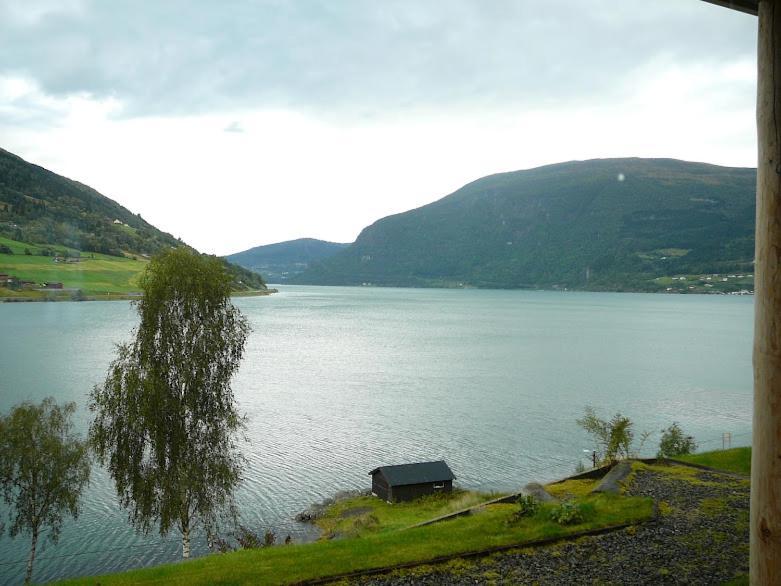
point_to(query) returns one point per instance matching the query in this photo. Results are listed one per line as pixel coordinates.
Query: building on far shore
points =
(405, 482)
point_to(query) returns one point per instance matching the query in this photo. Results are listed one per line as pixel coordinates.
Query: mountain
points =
(55, 215)
(283, 260)
(605, 224)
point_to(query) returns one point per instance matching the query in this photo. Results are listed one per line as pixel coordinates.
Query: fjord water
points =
(338, 380)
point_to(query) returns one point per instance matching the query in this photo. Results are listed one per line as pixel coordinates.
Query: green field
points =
(96, 274)
(381, 537)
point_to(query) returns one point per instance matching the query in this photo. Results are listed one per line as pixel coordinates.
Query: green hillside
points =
(37, 205)
(607, 224)
(53, 229)
(284, 260)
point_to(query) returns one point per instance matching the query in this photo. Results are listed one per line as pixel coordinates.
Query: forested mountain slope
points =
(613, 224)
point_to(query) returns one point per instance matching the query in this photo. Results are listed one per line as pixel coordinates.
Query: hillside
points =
(56, 229)
(283, 260)
(606, 224)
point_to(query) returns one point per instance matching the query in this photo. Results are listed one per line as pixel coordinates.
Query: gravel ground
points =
(700, 537)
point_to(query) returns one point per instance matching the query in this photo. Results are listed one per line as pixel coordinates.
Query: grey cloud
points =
(359, 57)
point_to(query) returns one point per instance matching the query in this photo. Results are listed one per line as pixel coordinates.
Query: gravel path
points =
(700, 537)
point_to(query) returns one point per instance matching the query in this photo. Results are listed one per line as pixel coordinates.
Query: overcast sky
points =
(237, 123)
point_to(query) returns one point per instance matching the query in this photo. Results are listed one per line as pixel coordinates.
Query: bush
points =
(527, 505)
(5, 249)
(247, 538)
(567, 513)
(614, 438)
(675, 443)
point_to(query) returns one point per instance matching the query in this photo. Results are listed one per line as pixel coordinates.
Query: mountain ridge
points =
(281, 260)
(601, 224)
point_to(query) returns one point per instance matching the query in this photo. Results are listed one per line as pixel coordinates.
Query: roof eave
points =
(747, 6)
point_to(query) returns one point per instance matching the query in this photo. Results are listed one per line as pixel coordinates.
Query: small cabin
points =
(405, 482)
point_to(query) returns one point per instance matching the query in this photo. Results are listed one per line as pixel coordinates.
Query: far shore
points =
(58, 296)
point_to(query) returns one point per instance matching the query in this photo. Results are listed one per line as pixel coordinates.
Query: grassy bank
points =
(736, 460)
(380, 537)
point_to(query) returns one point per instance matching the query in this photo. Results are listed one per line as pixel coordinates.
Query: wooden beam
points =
(765, 557)
(747, 6)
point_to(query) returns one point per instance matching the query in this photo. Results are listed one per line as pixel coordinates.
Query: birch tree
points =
(44, 467)
(166, 422)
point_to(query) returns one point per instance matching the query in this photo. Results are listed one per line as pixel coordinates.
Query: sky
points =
(238, 123)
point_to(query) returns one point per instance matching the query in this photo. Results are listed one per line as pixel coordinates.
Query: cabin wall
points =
(380, 487)
(410, 492)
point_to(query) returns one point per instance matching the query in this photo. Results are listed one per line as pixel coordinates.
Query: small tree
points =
(613, 438)
(43, 469)
(675, 443)
(166, 421)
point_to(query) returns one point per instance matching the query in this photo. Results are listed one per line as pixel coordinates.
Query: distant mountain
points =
(606, 224)
(283, 260)
(47, 210)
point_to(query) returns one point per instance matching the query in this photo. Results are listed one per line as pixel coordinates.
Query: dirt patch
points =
(355, 512)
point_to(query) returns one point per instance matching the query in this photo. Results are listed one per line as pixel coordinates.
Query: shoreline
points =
(68, 297)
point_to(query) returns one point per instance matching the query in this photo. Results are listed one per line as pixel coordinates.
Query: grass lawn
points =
(386, 540)
(96, 273)
(737, 460)
(362, 516)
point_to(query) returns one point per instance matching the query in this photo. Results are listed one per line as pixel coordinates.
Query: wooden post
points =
(765, 556)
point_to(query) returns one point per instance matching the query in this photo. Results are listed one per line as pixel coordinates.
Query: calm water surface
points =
(339, 380)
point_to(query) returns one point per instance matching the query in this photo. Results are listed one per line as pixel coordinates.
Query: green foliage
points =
(613, 438)
(528, 506)
(40, 206)
(675, 443)
(248, 539)
(43, 469)
(567, 513)
(166, 422)
(567, 225)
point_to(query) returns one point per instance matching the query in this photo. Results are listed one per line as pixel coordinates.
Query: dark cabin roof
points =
(748, 6)
(418, 473)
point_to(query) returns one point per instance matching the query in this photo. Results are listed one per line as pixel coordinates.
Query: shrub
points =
(567, 513)
(527, 506)
(613, 438)
(675, 443)
(248, 539)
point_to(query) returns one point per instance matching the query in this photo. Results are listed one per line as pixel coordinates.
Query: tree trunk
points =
(28, 577)
(185, 541)
(765, 558)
